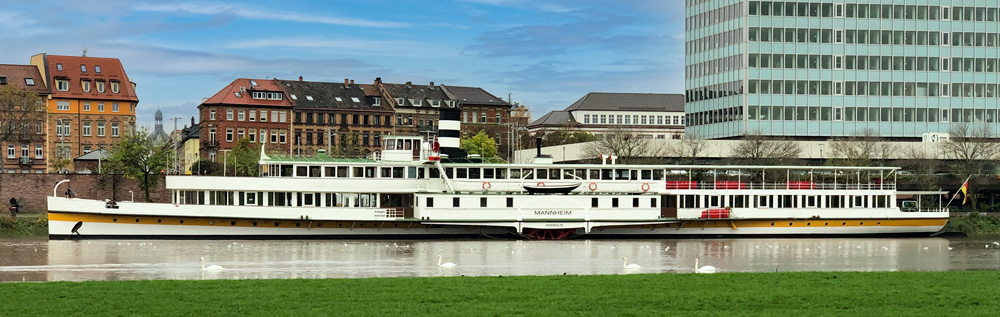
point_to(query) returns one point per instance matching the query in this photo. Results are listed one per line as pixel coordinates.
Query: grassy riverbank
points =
(974, 224)
(25, 225)
(776, 294)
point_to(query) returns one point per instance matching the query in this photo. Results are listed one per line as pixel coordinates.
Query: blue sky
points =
(546, 54)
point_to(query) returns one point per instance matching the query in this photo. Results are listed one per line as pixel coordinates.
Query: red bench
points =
(682, 185)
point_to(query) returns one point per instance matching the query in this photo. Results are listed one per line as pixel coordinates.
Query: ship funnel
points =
(450, 132)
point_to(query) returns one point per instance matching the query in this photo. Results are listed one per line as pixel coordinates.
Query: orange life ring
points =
(487, 185)
(593, 186)
(540, 184)
(645, 187)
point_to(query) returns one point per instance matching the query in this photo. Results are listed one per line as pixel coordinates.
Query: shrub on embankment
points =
(24, 225)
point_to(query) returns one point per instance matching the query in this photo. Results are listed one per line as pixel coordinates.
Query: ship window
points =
(621, 174)
(251, 199)
(541, 173)
(554, 174)
(385, 172)
(454, 202)
(635, 202)
(657, 175)
(329, 171)
(397, 172)
(593, 202)
(647, 174)
(474, 173)
(501, 173)
(606, 174)
(488, 173)
(449, 172)
(430, 201)
(314, 171)
(370, 172)
(614, 202)
(301, 171)
(435, 173)
(510, 202)
(462, 172)
(482, 202)
(652, 202)
(810, 201)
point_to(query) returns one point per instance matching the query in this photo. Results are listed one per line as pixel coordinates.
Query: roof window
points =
(338, 98)
(355, 99)
(97, 69)
(3, 80)
(83, 68)
(253, 82)
(294, 97)
(310, 98)
(29, 81)
(59, 67)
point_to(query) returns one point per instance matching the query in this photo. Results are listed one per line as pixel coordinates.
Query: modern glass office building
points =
(830, 68)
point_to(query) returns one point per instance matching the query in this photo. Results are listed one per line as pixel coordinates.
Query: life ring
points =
(645, 187)
(487, 185)
(540, 184)
(592, 186)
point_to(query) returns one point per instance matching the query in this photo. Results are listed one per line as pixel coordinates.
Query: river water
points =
(42, 260)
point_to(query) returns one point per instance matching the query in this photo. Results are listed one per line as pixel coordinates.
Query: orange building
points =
(91, 104)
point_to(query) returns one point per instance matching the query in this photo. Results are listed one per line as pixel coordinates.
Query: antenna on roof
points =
(85, 52)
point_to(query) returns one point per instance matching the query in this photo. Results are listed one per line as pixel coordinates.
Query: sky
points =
(543, 54)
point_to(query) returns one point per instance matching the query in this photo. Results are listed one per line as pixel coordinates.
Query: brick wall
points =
(33, 188)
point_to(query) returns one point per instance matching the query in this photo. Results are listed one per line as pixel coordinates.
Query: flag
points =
(965, 192)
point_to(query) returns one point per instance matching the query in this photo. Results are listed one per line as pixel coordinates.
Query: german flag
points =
(965, 192)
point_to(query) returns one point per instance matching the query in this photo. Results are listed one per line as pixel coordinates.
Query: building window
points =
(258, 95)
(100, 107)
(252, 135)
(482, 118)
(115, 87)
(274, 136)
(10, 151)
(62, 85)
(253, 115)
(376, 101)
(283, 116)
(38, 151)
(86, 106)
(86, 128)
(229, 135)
(242, 115)
(100, 128)
(240, 133)
(282, 136)
(114, 107)
(263, 135)
(59, 66)
(211, 114)
(86, 85)
(62, 105)
(100, 86)
(97, 69)
(25, 150)
(29, 81)
(211, 136)
(83, 68)
(229, 114)
(586, 118)
(114, 129)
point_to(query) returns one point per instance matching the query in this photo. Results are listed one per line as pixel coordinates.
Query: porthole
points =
(845, 223)
(878, 223)
(114, 219)
(862, 223)
(319, 224)
(395, 225)
(159, 220)
(136, 219)
(298, 224)
(232, 223)
(275, 223)
(826, 224)
(254, 223)
(772, 224)
(182, 221)
(340, 224)
(809, 224)
(789, 224)
(211, 222)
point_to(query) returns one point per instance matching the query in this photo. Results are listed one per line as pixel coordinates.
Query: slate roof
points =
(111, 70)
(474, 96)
(228, 95)
(94, 155)
(556, 118)
(324, 95)
(15, 76)
(411, 91)
(629, 102)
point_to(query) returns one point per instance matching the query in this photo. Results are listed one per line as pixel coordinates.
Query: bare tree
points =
(621, 142)
(971, 147)
(756, 149)
(688, 149)
(865, 148)
(920, 159)
(21, 116)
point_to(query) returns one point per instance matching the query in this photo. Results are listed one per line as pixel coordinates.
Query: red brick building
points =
(344, 118)
(256, 109)
(24, 149)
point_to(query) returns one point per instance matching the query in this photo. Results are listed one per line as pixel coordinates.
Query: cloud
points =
(350, 46)
(262, 14)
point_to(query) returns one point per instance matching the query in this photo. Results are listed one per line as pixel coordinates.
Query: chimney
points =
(409, 84)
(431, 85)
(378, 81)
(346, 83)
(300, 78)
(352, 82)
(538, 146)
(192, 121)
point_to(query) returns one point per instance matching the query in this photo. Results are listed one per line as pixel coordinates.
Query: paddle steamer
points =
(410, 190)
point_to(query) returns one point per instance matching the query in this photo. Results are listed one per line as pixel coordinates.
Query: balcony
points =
(25, 160)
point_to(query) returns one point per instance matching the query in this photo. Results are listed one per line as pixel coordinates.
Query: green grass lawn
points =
(777, 294)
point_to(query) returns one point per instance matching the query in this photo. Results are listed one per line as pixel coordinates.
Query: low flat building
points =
(654, 116)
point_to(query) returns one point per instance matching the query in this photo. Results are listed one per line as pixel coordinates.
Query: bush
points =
(974, 223)
(23, 226)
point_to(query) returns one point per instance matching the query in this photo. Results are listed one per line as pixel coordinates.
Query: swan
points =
(627, 266)
(210, 267)
(703, 269)
(445, 264)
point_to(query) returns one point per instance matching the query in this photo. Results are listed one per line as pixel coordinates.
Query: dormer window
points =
(377, 101)
(416, 102)
(83, 68)
(62, 85)
(29, 81)
(355, 99)
(259, 95)
(400, 101)
(100, 86)
(97, 69)
(435, 103)
(115, 87)
(86, 85)
(274, 95)
(450, 103)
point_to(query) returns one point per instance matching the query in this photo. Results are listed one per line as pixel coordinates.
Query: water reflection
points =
(31, 260)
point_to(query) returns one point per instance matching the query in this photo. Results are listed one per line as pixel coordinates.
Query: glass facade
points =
(820, 69)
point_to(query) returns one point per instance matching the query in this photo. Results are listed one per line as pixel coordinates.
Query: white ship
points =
(407, 191)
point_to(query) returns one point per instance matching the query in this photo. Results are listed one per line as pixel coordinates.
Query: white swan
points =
(703, 269)
(210, 267)
(627, 266)
(445, 264)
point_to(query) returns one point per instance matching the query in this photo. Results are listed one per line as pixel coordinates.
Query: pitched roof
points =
(556, 118)
(411, 91)
(629, 102)
(15, 75)
(312, 94)
(111, 70)
(240, 92)
(474, 96)
(94, 155)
